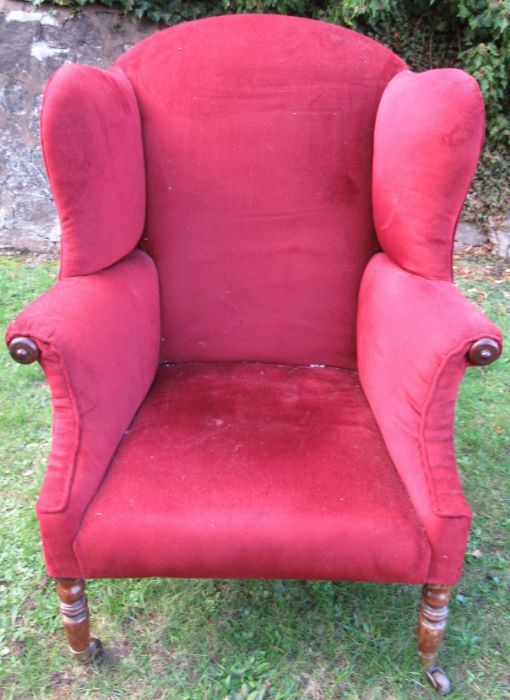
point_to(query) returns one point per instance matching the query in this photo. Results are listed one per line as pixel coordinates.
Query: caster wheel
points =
(438, 680)
(93, 653)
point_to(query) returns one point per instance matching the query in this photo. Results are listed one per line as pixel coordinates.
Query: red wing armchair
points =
(254, 346)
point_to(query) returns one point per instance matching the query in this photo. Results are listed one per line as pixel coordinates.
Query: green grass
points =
(200, 640)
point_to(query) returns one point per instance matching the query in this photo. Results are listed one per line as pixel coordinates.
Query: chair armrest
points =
(98, 341)
(414, 338)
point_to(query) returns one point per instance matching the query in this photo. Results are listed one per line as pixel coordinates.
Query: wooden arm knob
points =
(23, 350)
(484, 351)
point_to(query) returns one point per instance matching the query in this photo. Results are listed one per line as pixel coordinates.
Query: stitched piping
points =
(64, 500)
(48, 170)
(481, 105)
(429, 401)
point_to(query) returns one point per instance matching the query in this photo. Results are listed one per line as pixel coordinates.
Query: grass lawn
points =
(211, 640)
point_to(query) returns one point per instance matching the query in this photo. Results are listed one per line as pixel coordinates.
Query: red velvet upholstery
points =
(258, 143)
(253, 470)
(98, 337)
(253, 139)
(428, 136)
(413, 339)
(92, 145)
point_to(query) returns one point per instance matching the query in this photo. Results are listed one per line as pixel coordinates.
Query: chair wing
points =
(428, 136)
(92, 145)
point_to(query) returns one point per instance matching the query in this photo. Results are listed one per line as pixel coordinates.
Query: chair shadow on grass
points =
(351, 635)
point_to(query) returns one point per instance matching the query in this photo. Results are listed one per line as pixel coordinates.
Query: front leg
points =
(432, 622)
(75, 617)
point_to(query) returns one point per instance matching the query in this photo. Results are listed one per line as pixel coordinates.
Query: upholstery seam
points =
(117, 69)
(457, 218)
(64, 500)
(49, 174)
(429, 401)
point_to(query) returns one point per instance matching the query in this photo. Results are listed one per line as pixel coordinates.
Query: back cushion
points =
(258, 133)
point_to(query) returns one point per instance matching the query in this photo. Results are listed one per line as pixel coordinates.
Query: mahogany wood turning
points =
(432, 622)
(75, 617)
(484, 351)
(23, 350)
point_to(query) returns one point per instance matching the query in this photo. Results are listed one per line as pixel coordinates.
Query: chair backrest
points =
(257, 134)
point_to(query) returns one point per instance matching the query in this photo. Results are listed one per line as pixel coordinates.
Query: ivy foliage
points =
(474, 34)
(168, 12)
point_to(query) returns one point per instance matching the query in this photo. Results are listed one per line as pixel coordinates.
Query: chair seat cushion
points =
(250, 470)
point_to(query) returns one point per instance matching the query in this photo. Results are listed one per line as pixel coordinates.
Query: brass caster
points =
(438, 680)
(93, 653)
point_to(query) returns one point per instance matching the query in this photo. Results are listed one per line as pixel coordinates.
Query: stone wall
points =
(33, 44)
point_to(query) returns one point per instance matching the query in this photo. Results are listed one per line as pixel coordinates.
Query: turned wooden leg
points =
(432, 622)
(75, 616)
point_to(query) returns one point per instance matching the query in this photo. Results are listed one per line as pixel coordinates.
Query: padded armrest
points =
(98, 338)
(414, 335)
